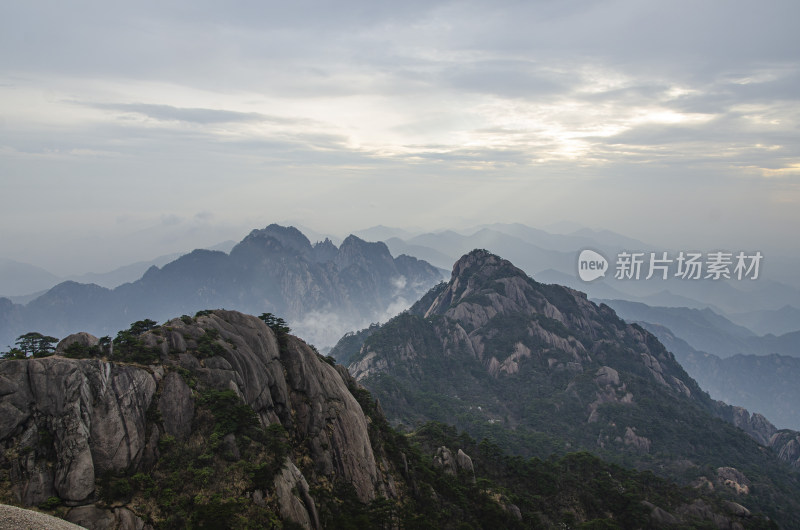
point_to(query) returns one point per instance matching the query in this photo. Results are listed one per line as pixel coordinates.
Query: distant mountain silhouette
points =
(321, 290)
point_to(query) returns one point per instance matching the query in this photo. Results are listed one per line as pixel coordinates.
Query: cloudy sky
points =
(134, 129)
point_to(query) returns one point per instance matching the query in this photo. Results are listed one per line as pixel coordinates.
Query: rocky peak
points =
(478, 260)
(356, 251)
(324, 251)
(474, 274)
(288, 236)
(487, 298)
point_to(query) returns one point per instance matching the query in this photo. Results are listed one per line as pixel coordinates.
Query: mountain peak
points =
(484, 262)
(288, 236)
(478, 273)
(354, 251)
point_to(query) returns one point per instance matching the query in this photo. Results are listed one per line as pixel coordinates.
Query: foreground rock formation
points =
(221, 421)
(65, 423)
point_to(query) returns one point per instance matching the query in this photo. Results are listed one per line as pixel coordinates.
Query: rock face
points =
(91, 413)
(93, 418)
(485, 290)
(755, 425)
(176, 406)
(787, 445)
(297, 507)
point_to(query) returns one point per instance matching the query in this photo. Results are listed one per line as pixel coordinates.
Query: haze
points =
(130, 130)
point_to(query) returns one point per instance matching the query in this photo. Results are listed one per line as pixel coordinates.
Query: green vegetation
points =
(278, 326)
(349, 345)
(32, 344)
(129, 347)
(207, 480)
(51, 504)
(13, 353)
(576, 489)
(77, 350)
(208, 345)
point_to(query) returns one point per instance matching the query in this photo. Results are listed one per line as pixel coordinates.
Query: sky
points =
(129, 130)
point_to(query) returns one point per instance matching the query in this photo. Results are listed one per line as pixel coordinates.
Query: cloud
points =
(362, 113)
(190, 115)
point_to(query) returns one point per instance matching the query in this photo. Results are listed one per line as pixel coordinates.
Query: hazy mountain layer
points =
(321, 289)
(762, 383)
(537, 251)
(708, 331)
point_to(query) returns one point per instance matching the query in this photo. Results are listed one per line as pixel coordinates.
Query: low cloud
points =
(202, 116)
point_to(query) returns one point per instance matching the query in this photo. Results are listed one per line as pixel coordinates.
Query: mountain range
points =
(321, 289)
(762, 383)
(727, 360)
(541, 370)
(552, 258)
(223, 420)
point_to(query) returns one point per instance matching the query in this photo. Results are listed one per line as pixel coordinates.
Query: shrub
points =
(50, 504)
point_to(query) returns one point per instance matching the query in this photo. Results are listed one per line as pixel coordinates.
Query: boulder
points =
(606, 376)
(82, 339)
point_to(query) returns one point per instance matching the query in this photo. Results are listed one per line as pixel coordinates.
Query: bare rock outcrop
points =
(294, 500)
(91, 413)
(454, 464)
(756, 425)
(606, 376)
(465, 464)
(176, 406)
(640, 443)
(13, 518)
(64, 422)
(787, 445)
(734, 479)
(444, 460)
(93, 518)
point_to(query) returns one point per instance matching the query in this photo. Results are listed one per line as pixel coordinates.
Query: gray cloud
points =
(432, 111)
(192, 115)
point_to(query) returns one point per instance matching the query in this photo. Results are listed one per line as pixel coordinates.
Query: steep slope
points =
(773, 321)
(702, 328)
(762, 383)
(321, 289)
(219, 421)
(539, 369)
(708, 331)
